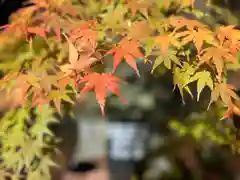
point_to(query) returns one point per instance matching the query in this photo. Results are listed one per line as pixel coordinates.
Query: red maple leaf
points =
(128, 49)
(101, 83)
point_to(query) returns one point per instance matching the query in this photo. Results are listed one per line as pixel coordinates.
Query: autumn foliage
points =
(63, 41)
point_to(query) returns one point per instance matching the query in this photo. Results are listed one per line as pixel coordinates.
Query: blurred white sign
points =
(127, 141)
(92, 140)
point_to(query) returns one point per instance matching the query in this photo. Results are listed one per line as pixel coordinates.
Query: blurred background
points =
(156, 136)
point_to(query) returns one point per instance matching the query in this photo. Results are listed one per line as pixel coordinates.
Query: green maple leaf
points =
(43, 169)
(203, 79)
(181, 77)
(45, 165)
(114, 17)
(44, 118)
(167, 59)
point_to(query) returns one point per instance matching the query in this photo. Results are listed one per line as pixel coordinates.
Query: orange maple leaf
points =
(233, 47)
(20, 22)
(139, 30)
(217, 56)
(228, 32)
(180, 22)
(101, 83)
(85, 33)
(226, 92)
(37, 31)
(164, 41)
(196, 36)
(128, 49)
(14, 27)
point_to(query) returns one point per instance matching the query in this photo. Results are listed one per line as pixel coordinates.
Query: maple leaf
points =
(228, 32)
(76, 63)
(39, 3)
(64, 81)
(39, 99)
(231, 110)
(139, 29)
(58, 32)
(164, 41)
(85, 34)
(233, 47)
(128, 49)
(20, 23)
(61, 6)
(51, 22)
(167, 59)
(203, 79)
(24, 30)
(19, 90)
(81, 64)
(179, 22)
(101, 83)
(13, 27)
(116, 12)
(138, 6)
(66, 10)
(181, 77)
(47, 82)
(23, 15)
(37, 31)
(196, 36)
(57, 96)
(224, 91)
(218, 56)
(236, 108)
(73, 52)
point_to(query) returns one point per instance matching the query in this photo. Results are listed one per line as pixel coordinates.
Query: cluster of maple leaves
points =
(43, 84)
